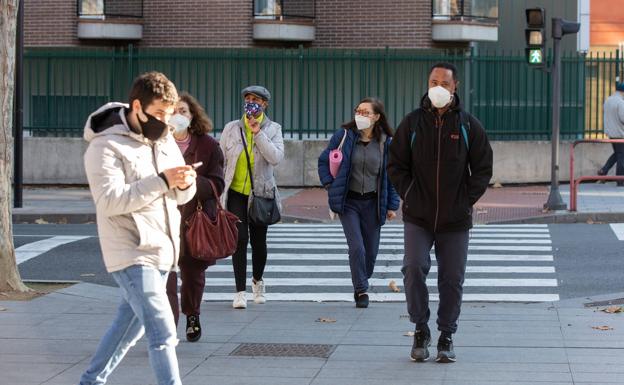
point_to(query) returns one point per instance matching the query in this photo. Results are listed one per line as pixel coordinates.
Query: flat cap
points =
(258, 91)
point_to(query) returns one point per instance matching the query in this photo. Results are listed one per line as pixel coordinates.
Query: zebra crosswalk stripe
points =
(309, 262)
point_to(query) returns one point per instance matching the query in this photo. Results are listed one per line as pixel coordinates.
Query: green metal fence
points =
(314, 91)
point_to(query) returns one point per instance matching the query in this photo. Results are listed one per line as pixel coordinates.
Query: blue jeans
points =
(362, 230)
(144, 309)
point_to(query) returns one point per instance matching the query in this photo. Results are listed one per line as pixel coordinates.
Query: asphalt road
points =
(588, 259)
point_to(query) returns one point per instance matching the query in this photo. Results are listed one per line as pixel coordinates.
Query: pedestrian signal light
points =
(535, 34)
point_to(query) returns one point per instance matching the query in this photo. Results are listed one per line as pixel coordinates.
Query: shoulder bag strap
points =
(343, 140)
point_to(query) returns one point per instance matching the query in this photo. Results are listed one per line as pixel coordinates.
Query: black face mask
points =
(153, 129)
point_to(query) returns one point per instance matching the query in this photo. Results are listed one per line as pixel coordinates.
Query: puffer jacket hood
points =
(110, 119)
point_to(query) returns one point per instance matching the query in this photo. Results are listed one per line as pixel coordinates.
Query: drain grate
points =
(284, 350)
(617, 301)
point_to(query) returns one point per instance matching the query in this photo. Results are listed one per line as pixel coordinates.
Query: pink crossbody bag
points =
(335, 157)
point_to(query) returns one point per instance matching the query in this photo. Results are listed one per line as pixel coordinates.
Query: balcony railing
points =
(110, 19)
(102, 9)
(284, 9)
(284, 20)
(464, 20)
(483, 11)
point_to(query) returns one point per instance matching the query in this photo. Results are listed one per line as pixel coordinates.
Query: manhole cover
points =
(284, 350)
(617, 301)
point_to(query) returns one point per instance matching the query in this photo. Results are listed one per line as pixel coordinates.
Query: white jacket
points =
(137, 216)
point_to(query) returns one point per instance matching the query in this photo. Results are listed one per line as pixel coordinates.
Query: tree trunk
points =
(9, 275)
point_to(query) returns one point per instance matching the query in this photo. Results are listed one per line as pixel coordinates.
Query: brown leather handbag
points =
(209, 240)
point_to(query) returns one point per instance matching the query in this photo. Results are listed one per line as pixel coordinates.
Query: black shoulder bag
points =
(262, 211)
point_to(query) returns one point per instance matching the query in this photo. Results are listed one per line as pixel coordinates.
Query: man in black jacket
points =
(440, 163)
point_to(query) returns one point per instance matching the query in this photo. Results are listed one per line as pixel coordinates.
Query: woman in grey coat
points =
(265, 149)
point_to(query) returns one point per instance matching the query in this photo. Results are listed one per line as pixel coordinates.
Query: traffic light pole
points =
(554, 201)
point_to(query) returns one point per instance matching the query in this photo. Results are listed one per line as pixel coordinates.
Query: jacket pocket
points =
(151, 229)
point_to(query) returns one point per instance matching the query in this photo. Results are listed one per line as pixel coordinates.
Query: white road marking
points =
(34, 249)
(618, 229)
(386, 297)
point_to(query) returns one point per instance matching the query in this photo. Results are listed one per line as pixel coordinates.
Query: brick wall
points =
(197, 23)
(228, 23)
(50, 22)
(373, 23)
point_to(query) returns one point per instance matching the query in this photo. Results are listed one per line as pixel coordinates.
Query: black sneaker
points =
(422, 340)
(193, 328)
(446, 354)
(361, 300)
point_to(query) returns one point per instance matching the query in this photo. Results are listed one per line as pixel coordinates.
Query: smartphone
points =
(196, 165)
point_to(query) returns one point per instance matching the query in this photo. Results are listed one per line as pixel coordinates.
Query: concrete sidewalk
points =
(50, 340)
(520, 204)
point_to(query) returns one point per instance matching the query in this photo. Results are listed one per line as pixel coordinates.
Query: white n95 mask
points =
(439, 96)
(362, 122)
(179, 122)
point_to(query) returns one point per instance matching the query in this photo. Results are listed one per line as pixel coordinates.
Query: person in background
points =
(191, 127)
(361, 193)
(614, 129)
(262, 138)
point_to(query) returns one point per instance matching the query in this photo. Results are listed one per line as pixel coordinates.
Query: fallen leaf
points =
(602, 327)
(497, 185)
(87, 275)
(41, 221)
(393, 286)
(614, 309)
(409, 334)
(326, 320)
(590, 221)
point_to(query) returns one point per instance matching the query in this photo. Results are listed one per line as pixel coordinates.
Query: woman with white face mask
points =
(190, 126)
(360, 192)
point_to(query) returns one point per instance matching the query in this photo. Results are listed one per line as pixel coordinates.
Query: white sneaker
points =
(258, 291)
(240, 300)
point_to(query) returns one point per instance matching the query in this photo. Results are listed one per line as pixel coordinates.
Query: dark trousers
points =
(247, 231)
(362, 230)
(616, 157)
(451, 251)
(193, 275)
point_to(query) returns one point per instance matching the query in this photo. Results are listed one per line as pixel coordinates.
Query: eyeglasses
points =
(364, 113)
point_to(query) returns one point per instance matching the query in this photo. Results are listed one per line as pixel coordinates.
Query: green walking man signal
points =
(536, 56)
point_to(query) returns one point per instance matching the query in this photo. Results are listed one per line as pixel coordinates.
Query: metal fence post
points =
(300, 92)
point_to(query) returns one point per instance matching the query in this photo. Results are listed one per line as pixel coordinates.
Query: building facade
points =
(260, 23)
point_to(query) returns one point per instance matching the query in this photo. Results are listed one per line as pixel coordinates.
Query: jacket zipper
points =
(407, 193)
(438, 124)
(164, 198)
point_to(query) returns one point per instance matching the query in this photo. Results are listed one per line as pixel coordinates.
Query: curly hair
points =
(152, 86)
(201, 123)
